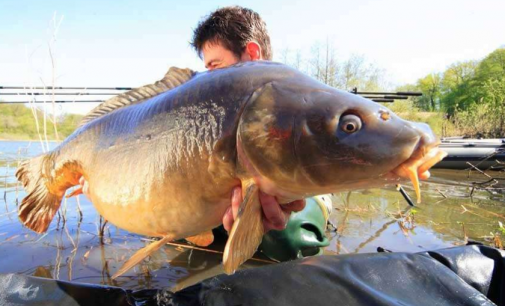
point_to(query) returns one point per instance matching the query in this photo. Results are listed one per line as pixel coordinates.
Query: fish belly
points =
(144, 189)
(164, 216)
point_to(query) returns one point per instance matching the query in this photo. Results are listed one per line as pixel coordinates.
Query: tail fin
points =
(40, 205)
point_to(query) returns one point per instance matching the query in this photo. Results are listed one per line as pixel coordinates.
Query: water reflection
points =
(453, 211)
(448, 216)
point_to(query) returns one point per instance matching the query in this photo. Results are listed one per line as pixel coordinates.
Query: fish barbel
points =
(166, 167)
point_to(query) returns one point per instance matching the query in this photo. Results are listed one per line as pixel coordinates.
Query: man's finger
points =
(272, 211)
(294, 206)
(84, 186)
(228, 219)
(236, 199)
(267, 225)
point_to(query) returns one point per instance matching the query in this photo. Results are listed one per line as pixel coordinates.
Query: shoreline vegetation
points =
(21, 123)
(467, 99)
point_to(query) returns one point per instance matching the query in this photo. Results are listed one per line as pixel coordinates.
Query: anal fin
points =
(247, 231)
(141, 254)
(202, 240)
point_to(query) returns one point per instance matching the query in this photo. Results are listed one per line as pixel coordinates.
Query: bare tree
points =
(357, 72)
(315, 62)
(297, 63)
(324, 64)
(285, 56)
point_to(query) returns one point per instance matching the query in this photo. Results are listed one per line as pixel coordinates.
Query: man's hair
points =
(233, 27)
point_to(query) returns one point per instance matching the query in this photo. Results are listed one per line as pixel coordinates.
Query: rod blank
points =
(383, 100)
(387, 97)
(400, 93)
(59, 94)
(62, 87)
(59, 101)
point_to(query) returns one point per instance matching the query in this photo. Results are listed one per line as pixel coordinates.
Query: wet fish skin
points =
(166, 167)
(292, 139)
(135, 156)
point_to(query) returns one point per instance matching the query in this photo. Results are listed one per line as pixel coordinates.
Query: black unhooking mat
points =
(469, 275)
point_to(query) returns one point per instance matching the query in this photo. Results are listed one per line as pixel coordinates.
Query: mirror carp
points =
(166, 167)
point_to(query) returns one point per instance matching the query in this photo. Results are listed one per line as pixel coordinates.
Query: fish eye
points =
(350, 124)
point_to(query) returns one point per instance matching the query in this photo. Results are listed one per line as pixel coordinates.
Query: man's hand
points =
(275, 216)
(84, 186)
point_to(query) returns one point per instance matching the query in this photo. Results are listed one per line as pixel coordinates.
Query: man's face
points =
(216, 56)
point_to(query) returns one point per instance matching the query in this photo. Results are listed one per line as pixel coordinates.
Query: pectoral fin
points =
(202, 240)
(141, 254)
(247, 230)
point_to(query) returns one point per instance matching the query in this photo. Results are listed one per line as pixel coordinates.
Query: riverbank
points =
(18, 122)
(22, 137)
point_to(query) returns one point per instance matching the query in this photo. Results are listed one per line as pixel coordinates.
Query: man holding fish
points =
(164, 163)
(226, 37)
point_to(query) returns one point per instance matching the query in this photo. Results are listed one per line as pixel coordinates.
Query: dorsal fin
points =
(174, 77)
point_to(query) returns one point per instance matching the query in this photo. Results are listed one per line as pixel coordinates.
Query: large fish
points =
(166, 167)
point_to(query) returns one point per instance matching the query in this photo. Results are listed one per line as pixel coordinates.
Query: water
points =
(72, 249)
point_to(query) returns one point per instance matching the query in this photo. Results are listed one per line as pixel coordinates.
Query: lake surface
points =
(452, 213)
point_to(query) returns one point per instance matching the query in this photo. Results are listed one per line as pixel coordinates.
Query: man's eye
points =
(212, 66)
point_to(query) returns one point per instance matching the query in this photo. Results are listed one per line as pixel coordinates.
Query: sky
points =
(133, 43)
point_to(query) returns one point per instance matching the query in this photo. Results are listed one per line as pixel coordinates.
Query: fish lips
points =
(421, 160)
(426, 154)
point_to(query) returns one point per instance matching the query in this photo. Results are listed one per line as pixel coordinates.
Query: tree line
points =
(346, 74)
(467, 99)
(471, 94)
(18, 122)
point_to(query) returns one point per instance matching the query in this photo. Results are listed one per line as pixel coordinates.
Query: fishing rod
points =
(386, 97)
(24, 91)
(379, 100)
(27, 94)
(399, 93)
(59, 94)
(379, 97)
(382, 100)
(58, 101)
(62, 87)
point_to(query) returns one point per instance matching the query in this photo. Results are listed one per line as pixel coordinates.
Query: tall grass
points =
(480, 120)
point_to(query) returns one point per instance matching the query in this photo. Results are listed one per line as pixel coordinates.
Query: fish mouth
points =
(418, 164)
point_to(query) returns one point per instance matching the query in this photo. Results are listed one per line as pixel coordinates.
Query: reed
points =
(42, 129)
